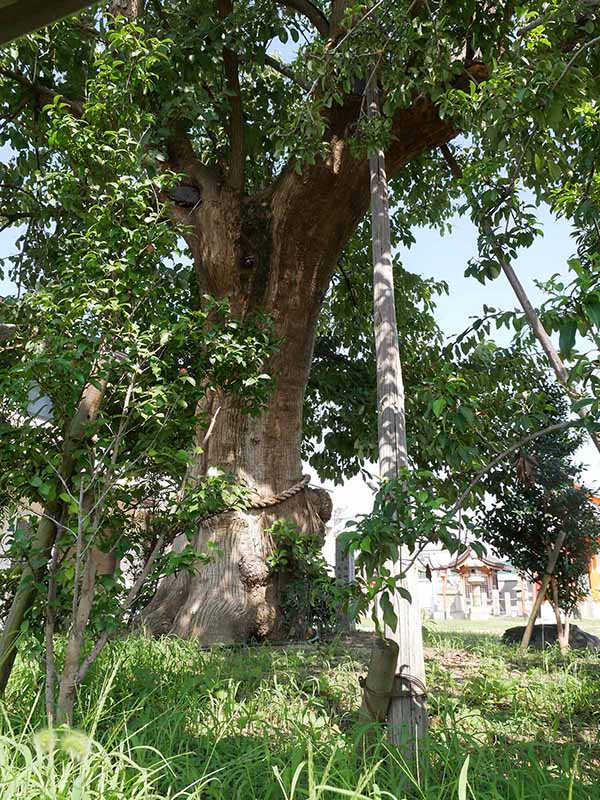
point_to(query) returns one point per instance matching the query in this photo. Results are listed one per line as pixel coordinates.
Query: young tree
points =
(112, 345)
(542, 520)
(275, 182)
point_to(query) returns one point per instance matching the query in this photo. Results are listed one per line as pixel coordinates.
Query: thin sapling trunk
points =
(550, 567)
(33, 569)
(49, 632)
(563, 642)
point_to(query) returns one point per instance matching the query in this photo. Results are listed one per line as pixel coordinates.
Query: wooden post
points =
(344, 574)
(496, 602)
(379, 682)
(444, 597)
(407, 719)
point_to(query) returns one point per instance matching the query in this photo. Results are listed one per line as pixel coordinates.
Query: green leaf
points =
(593, 311)
(438, 405)
(462, 780)
(389, 615)
(567, 337)
(468, 414)
(586, 401)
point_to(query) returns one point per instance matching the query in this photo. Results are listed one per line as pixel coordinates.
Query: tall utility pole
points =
(407, 715)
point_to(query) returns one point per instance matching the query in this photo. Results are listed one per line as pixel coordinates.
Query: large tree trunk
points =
(234, 597)
(275, 252)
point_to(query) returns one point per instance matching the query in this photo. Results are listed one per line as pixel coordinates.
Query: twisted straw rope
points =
(266, 502)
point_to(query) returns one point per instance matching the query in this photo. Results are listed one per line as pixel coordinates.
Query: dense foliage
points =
(544, 65)
(313, 602)
(533, 503)
(113, 318)
(122, 135)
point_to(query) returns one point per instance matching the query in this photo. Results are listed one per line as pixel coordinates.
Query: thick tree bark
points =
(276, 252)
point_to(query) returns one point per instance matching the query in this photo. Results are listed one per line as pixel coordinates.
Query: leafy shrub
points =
(311, 599)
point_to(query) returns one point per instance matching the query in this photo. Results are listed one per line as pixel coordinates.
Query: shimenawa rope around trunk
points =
(266, 502)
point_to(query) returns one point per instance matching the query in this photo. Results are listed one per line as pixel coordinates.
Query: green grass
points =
(166, 719)
(497, 625)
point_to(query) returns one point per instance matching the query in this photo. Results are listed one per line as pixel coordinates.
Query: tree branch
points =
(125, 606)
(287, 72)
(535, 323)
(44, 93)
(236, 117)
(311, 12)
(588, 7)
(183, 158)
(559, 426)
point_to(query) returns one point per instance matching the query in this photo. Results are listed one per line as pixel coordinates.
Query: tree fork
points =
(275, 252)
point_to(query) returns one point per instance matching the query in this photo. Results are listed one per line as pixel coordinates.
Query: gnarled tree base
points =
(234, 597)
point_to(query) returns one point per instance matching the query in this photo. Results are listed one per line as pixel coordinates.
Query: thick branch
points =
(338, 12)
(44, 93)
(130, 9)
(311, 12)
(183, 158)
(286, 71)
(236, 117)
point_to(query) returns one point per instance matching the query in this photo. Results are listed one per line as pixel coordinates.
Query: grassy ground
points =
(497, 625)
(166, 719)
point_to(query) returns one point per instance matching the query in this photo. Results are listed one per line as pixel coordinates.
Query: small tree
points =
(540, 507)
(112, 342)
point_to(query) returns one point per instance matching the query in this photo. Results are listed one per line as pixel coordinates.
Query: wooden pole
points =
(379, 682)
(407, 718)
(445, 601)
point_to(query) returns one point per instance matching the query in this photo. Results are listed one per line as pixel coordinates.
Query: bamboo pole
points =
(407, 718)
